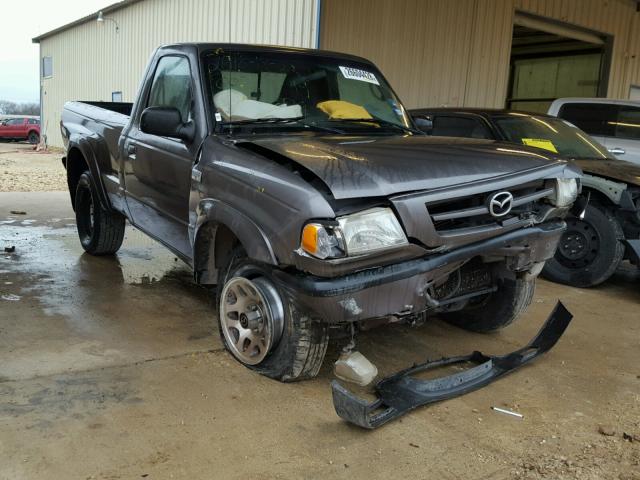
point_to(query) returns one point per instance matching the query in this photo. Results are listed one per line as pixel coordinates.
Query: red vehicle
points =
(20, 128)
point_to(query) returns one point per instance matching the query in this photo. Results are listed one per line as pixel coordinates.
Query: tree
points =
(13, 108)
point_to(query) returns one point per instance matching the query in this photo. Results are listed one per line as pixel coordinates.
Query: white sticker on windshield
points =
(357, 74)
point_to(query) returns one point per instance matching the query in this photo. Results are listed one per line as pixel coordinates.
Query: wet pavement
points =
(111, 367)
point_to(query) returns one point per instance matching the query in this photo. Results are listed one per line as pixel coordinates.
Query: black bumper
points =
(401, 392)
(388, 290)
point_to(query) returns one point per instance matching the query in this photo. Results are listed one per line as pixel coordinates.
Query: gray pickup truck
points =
(295, 181)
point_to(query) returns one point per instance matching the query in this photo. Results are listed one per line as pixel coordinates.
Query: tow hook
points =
(402, 392)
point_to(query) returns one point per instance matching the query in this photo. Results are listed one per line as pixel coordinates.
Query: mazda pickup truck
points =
(295, 181)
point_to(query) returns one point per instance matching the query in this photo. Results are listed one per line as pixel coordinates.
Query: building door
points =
(550, 61)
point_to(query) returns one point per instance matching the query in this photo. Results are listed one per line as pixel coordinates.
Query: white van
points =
(614, 123)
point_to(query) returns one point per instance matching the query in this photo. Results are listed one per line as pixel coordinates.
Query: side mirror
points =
(166, 122)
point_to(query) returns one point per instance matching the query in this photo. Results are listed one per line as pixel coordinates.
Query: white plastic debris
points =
(356, 368)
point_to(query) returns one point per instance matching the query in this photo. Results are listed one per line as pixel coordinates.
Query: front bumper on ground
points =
(399, 289)
(401, 392)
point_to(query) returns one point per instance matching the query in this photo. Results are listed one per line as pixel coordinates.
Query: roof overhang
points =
(92, 17)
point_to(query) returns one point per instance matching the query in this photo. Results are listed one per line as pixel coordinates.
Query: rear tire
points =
(299, 350)
(589, 251)
(496, 310)
(101, 231)
(33, 138)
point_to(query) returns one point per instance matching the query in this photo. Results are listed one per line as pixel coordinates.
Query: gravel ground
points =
(22, 169)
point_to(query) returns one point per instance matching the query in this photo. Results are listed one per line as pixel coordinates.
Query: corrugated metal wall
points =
(456, 52)
(91, 60)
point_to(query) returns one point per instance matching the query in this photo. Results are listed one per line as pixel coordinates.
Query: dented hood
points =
(382, 166)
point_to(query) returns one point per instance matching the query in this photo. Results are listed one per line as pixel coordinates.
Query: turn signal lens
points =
(321, 241)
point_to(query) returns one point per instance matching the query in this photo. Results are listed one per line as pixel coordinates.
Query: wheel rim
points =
(579, 245)
(86, 215)
(252, 318)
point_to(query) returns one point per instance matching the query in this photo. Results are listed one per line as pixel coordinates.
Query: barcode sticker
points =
(357, 74)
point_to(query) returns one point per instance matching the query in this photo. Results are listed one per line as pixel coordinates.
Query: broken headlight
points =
(356, 234)
(566, 192)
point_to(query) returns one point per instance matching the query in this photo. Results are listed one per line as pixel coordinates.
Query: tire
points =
(101, 232)
(589, 251)
(496, 310)
(299, 350)
(33, 138)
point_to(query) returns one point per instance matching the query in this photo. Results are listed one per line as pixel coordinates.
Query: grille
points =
(472, 212)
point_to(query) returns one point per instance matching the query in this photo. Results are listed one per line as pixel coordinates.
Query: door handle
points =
(617, 151)
(131, 149)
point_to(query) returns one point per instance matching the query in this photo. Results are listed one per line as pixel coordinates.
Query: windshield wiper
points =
(250, 121)
(274, 120)
(379, 121)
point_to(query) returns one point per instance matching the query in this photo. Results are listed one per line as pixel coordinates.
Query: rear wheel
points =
(263, 328)
(589, 251)
(33, 138)
(496, 310)
(101, 231)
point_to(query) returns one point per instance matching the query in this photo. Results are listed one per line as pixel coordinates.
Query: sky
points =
(19, 69)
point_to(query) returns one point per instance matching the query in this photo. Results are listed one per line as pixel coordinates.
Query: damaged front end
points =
(402, 392)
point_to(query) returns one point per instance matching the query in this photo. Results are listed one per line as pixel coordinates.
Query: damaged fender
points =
(401, 392)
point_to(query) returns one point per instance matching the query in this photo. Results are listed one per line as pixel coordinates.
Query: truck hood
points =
(620, 170)
(381, 166)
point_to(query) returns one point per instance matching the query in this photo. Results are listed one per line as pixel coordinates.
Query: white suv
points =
(614, 123)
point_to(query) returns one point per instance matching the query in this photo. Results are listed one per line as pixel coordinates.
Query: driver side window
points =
(171, 86)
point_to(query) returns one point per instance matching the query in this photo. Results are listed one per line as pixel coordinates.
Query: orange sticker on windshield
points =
(540, 143)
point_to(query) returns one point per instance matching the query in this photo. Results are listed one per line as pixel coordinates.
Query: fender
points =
(215, 212)
(87, 147)
(610, 189)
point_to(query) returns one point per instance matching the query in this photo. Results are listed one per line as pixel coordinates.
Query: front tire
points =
(589, 251)
(496, 310)
(101, 231)
(33, 138)
(263, 328)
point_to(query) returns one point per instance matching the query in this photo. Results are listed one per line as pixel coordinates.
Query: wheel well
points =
(76, 166)
(33, 131)
(224, 241)
(596, 196)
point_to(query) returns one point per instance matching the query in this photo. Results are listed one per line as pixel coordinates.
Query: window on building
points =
(47, 67)
(593, 118)
(628, 123)
(171, 85)
(116, 96)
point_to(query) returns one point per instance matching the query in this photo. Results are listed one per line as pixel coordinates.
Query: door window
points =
(171, 86)
(15, 121)
(593, 118)
(450, 126)
(628, 123)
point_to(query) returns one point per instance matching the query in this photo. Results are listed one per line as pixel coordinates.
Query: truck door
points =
(625, 144)
(157, 170)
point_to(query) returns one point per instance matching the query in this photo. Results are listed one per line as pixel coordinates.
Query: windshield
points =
(292, 90)
(551, 134)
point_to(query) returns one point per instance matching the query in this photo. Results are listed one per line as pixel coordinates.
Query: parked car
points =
(20, 128)
(613, 123)
(609, 231)
(295, 181)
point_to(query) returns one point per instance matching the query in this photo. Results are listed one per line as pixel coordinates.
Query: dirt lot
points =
(111, 368)
(22, 169)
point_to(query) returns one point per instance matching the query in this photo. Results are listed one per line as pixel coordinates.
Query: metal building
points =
(494, 53)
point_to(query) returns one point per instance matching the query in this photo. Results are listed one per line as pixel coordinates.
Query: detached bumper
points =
(401, 392)
(399, 288)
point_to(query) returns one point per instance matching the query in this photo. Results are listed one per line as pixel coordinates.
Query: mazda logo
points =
(500, 204)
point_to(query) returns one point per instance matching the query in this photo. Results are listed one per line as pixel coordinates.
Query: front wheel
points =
(101, 231)
(33, 138)
(263, 328)
(496, 310)
(589, 251)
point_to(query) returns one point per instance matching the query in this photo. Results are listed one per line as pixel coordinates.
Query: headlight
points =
(364, 232)
(566, 192)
